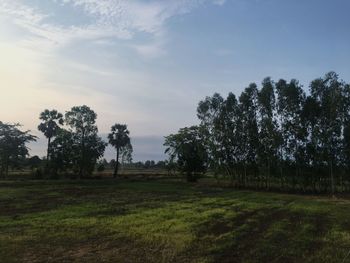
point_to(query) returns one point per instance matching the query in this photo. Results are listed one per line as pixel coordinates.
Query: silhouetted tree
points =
(278, 134)
(13, 147)
(119, 138)
(64, 152)
(34, 162)
(88, 144)
(268, 132)
(50, 126)
(186, 147)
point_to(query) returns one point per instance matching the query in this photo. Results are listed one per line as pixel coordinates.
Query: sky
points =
(148, 63)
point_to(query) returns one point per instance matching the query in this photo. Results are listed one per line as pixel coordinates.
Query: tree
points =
(268, 134)
(147, 164)
(186, 147)
(34, 162)
(119, 139)
(101, 165)
(209, 112)
(64, 152)
(13, 147)
(291, 135)
(249, 131)
(50, 126)
(88, 146)
(291, 100)
(310, 120)
(126, 154)
(328, 93)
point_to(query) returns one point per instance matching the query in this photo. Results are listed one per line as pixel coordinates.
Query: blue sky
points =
(147, 63)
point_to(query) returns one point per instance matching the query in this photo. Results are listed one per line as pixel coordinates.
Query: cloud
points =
(98, 20)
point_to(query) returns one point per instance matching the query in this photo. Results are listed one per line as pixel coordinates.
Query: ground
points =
(167, 221)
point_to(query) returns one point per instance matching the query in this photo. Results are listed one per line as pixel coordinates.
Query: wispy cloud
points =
(120, 19)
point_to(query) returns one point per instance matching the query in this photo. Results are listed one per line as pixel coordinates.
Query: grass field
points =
(167, 221)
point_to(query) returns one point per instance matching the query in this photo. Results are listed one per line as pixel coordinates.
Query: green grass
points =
(167, 221)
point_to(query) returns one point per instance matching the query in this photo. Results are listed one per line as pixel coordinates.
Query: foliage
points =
(278, 135)
(13, 149)
(65, 152)
(120, 140)
(50, 126)
(34, 162)
(86, 147)
(187, 149)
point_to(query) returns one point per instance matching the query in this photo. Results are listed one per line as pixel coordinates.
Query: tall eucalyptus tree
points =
(268, 132)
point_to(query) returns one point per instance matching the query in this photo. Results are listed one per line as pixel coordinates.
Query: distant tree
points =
(112, 163)
(34, 162)
(138, 164)
(89, 145)
(119, 138)
(147, 164)
(104, 162)
(187, 149)
(170, 165)
(101, 166)
(51, 121)
(13, 147)
(64, 152)
(161, 164)
(126, 154)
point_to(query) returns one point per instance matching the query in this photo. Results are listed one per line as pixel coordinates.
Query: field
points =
(167, 221)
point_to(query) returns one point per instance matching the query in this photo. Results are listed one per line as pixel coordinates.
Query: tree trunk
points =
(7, 166)
(48, 149)
(332, 179)
(115, 173)
(82, 163)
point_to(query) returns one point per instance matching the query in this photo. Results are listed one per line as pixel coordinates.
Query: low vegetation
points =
(167, 221)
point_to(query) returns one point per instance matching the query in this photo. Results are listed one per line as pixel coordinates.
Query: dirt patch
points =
(112, 249)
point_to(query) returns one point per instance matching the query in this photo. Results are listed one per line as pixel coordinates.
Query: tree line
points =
(73, 144)
(275, 136)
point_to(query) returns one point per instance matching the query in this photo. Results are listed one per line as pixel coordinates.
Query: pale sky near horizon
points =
(147, 63)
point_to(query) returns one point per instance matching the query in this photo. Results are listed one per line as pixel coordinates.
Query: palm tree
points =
(50, 126)
(118, 138)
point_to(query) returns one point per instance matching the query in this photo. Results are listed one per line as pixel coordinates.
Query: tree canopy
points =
(50, 126)
(277, 135)
(187, 149)
(13, 147)
(120, 140)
